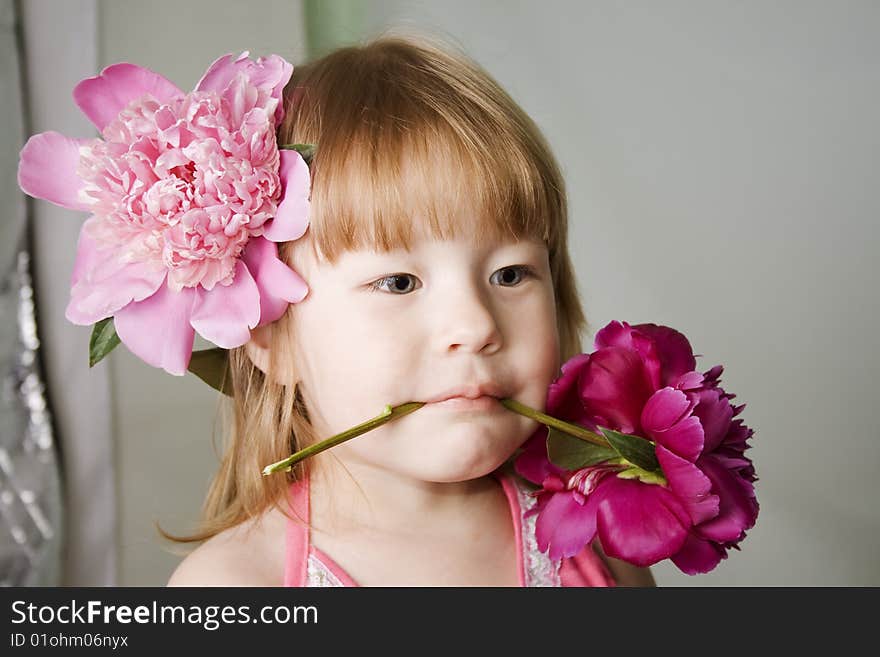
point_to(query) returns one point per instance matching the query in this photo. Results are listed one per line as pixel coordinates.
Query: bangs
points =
(404, 152)
(386, 190)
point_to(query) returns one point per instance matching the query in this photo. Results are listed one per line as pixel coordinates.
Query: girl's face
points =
(389, 328)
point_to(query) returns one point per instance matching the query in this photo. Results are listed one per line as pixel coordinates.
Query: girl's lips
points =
(483, 403)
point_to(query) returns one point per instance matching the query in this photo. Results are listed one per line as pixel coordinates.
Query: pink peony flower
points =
(189, 195)
(640, 380)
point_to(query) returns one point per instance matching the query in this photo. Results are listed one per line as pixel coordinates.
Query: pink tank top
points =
(306, 565)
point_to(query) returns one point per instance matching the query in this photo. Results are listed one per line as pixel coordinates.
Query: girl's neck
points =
(363, 498)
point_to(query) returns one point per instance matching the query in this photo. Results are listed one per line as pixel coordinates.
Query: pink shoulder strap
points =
(586, 568)
(510, 491)
(296, 555)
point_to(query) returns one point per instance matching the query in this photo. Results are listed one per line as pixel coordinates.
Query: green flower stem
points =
(404, 409)
(387, 415)
(550, 421)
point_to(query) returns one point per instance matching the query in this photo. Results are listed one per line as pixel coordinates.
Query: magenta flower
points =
(640, 380)
(189, 195)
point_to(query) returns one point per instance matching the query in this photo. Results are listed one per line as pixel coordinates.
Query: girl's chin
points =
(463, 465)
(437, 451)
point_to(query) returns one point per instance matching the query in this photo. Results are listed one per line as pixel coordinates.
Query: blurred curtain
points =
(31, 523)
(59, 502)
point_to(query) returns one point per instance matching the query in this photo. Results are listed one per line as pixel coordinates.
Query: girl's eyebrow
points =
(356, 260)
(527, 248)
(364, 264)
(361, 259)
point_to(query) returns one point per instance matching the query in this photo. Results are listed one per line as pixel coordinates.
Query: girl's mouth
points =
(482, 403)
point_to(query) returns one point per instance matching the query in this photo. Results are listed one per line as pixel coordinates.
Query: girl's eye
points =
(520, 272)
(398, 285)
(395, 281)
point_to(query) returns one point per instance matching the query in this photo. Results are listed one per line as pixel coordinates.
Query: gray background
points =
(720, 159)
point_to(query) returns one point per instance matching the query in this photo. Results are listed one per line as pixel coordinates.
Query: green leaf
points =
(307, 151)
(103, 340)
(572, 453)
(635, 449)
(634, 472)
(210, 366)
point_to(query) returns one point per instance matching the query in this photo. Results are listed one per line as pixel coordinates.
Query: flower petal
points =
(688, 381)
(292, 216)
(615, 386)
(698, 556)
(532, 463)
(665, 407)
(690, 485)
(158, 330)
(621, 334)
(639, 523)
(736, 439)
(47, 169)
(101, 285)
(563, 395)
(713, 376)
(225, 314)
(565, 525)
(673, 349)
(220, 72)
(278, 284)
(667, 420)
(102, 97)
(738, 507)
(715, 414)
(270, 73)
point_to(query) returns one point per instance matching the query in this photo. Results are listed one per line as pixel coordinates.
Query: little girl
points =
(438, 271)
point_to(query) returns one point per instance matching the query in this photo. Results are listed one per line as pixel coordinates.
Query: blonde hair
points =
(402, 125)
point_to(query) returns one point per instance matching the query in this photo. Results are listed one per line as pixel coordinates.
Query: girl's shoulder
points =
(248, 554)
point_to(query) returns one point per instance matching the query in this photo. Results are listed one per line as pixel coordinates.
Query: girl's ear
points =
(257, 348)
(259, 351)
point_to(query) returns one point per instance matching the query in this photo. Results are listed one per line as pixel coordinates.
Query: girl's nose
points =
(467, 323)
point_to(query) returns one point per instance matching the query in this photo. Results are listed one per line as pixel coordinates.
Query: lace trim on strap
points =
(540, 569)
(319, 575)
